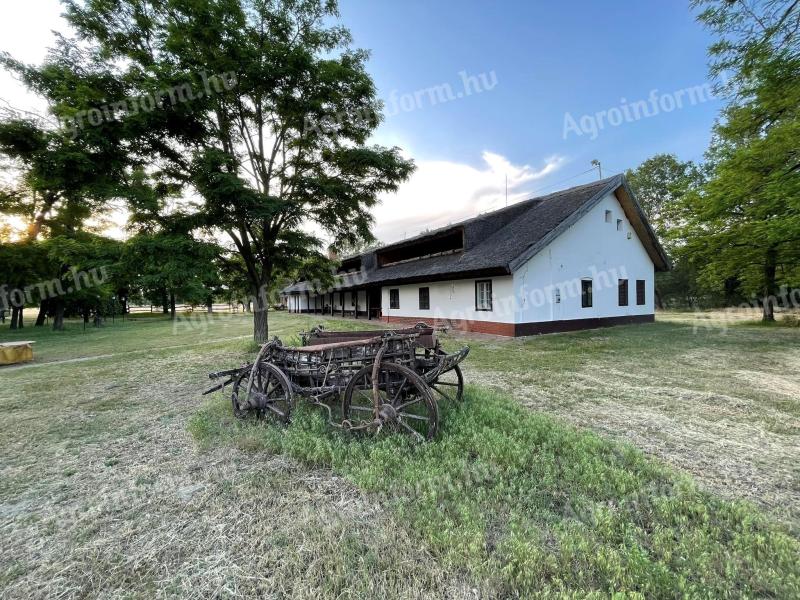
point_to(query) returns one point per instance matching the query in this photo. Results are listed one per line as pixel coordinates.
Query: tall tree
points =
(277, 149)
(661, 184)
(22, 264)
(745, 222)
(62, 180)
(172, 263)
(81, 280)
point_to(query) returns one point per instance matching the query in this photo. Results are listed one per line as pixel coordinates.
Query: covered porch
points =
(356, 303)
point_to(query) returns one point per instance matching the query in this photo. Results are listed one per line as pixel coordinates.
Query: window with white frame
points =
(619, 224)
(608, 216)
(483, 294)
(394, 299)
(557, 296)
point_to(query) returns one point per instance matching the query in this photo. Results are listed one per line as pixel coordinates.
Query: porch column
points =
(355, 297)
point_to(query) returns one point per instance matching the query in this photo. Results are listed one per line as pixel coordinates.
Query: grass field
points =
(118, 479)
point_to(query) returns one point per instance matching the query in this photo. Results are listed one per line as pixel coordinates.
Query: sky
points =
(489, 96)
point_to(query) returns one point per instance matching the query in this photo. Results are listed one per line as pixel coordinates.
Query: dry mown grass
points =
(718, 400)
(105, 495)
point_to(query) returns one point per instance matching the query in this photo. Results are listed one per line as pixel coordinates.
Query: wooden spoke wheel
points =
(406, 403)
(270, 396)
(449, 385)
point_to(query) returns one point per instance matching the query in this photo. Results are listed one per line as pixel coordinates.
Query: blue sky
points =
(550, 58)
(544, 59)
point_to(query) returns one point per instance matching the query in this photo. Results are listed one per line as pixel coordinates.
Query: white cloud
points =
(441, 192)
(26, 32)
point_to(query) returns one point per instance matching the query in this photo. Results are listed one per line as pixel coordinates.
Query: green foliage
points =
(744, 224)
(532, 506)
(266, 154)
(62, 181)
(21, 263)
(660, 183)
(746, 31)
(171, 262)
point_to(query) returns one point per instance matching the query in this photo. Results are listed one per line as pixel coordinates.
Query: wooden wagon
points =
(364, 380)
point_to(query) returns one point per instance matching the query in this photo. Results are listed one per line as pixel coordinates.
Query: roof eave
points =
(663, 263)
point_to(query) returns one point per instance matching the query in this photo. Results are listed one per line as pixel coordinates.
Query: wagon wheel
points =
(270, 396)
(449, 385)
(404, 397)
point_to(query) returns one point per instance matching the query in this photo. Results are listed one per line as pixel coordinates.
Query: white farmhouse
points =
(579, 258)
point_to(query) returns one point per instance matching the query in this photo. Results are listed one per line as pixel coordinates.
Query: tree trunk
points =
(2, 316)
(210, 305)
(260, 324)
(58, 317)
(40, 318)
(172, 304)
(165, 301)
(15, 317)
(768, 302)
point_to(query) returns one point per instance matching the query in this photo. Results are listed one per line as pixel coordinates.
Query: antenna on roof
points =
(506, 190)
(596, 163)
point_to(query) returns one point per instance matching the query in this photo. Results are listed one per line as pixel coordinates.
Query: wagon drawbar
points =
(379, 379)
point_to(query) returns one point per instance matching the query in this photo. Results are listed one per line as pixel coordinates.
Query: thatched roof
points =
(498, 242)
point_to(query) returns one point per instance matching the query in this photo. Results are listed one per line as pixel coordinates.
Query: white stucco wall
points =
(451, 300)
(589, 249)
(594, 249)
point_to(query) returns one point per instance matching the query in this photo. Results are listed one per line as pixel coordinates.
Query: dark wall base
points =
(508, 329)
(490, 327)
(539, 328)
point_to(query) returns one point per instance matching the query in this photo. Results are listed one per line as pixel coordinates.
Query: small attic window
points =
(619, 224)
(608, 216)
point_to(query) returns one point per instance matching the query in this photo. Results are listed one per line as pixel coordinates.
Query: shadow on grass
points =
(528, 504)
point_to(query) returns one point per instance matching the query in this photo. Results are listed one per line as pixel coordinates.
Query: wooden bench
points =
(12, 353)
